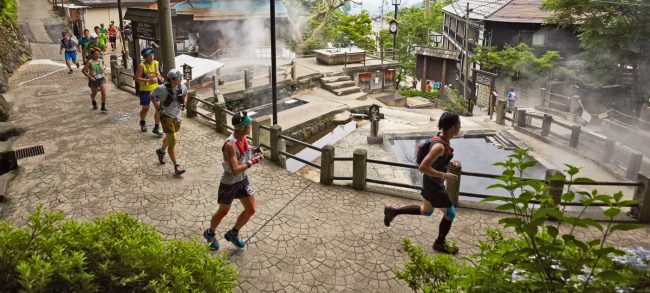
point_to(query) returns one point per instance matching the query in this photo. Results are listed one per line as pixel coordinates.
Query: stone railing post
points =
(114, 69)
(545, 99)
(608, 151)
(634, 165)
(192, 104)
(501, 112)
(359, 169)
(327, 165)
(453, 188)
(293, 71)
(546, 124)
(261, 135)
(556, 187)
(575, 103)
(642, 194)
(277, 145)
(521, 117)
(575, 136)
(248, 79)
(220, 117)
(270, 75)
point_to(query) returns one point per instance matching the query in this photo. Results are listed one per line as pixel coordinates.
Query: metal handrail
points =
(228, 111)
(300, 159)
(558, 95)
(393, 184)
(307, 145)
(562, 124)
(394, 164)
(205, 116)
(204, 102)
(535, 116)
(265, 127)
(342, 178)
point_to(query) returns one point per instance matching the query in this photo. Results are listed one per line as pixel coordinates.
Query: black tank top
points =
(441, 165)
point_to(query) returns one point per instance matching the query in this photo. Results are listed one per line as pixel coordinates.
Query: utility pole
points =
(395, 35)
(466, 94)
(124, 58)
(167, 52)
(274, 84)
(426, 9)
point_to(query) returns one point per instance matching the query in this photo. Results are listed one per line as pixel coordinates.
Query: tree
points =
(342, 30)
(513, 60)
(618, 29)
(413, 31)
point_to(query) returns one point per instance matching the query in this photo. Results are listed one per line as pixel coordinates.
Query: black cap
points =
(240, 119)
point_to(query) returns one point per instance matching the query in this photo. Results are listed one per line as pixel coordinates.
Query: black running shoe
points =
(156, 131)
(77, 64)
(446, 247)
(389, 215)
(143, 126)
(234, 238)
(178, 169)
(161, 156)
(70, 71)
(94, 105)
(104, 108)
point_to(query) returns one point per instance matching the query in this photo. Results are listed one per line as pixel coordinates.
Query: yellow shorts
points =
(169, 124)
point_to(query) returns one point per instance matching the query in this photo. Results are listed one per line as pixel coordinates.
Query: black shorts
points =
(437, 195)
(228, 192)
(112, 39)
(95, 84)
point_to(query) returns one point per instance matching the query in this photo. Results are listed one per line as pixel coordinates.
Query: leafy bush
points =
(8, 10)
(109, 254)
(411, 92)
(512, 60)
(545, 255)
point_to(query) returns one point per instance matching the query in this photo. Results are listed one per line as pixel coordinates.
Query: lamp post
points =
(435, 38)
(394, 31)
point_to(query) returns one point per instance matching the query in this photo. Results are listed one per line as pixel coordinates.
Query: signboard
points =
(187, 72)
(483, 79)
(145, 31)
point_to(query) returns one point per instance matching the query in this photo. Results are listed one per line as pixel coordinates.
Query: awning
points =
(200, 66)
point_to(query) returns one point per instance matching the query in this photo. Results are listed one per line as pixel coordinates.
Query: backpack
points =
(425, 147)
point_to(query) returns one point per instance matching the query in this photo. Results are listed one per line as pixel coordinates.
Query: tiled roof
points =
(480, 8)
(527, 11)
(438, 52)
(113, 3)
(229, 9)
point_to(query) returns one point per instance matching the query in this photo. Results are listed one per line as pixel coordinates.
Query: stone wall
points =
(242, 100)
(14, 51)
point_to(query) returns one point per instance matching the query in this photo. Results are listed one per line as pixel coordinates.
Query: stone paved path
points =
(304, 237)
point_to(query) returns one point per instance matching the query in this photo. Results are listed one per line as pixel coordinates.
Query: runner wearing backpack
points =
(433, 161)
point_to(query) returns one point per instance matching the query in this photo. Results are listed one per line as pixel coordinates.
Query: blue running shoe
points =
(234, 238)
(209, 236)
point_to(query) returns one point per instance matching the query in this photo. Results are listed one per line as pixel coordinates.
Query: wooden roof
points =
(480, 9)
(521, 11)
(113, 3)
(438, 52)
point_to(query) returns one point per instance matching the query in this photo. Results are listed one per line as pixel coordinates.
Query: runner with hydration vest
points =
(148, 76)
(433, 160)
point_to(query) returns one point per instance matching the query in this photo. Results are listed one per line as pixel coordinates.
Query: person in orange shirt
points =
(112, 35)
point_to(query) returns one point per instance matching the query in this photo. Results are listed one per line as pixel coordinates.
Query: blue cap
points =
(146, 51)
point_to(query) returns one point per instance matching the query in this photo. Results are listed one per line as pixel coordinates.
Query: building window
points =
(526, 37)
(539, 39)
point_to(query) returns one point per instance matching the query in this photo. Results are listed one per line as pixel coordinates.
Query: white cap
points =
(174, 73)
(93, 35)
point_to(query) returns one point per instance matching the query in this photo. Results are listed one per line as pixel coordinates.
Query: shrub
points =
(545, 255)
(411, 92)
(109, 254)
(8, 10)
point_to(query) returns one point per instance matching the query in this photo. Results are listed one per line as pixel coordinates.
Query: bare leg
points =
(143, 112)
(249, 209)
(218, 216)
(93, 93)
(102, 88)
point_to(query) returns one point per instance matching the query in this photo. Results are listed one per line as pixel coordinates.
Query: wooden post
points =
(556, 187)
(521, 117)
(575, 136)
(545, 100)
(220, 118)
(248, 79)
(423, 82)
(327, 165)
(359, 169)
(453, 188)
(444, 73)
(642, 194)
(501, 112)
(192, 104)
(634, 165)
(546, 125)
(608, 151)
(293, 70)
(575, 103)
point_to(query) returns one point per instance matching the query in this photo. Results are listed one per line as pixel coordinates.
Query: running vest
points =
(149, 71)
(96, 69)
(441, 164)
(228, 177)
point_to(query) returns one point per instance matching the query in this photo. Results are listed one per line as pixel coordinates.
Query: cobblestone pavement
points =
(304, 236)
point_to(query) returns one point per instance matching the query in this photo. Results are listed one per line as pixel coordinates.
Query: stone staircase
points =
(339, 84)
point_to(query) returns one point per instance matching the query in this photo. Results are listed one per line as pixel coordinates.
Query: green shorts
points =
(169, 124)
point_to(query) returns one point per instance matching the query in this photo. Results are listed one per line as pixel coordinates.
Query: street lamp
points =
(435, 38)
(393, 26)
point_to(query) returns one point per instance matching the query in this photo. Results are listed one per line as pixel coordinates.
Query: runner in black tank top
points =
(435, 171)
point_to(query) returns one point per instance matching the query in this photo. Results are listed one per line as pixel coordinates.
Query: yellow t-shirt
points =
(149, 71)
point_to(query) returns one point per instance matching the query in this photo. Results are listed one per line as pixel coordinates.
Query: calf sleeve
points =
(443, 230)
(408, 210)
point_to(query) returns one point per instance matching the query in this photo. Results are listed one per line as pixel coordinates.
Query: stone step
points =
(339, 85)
(331, 79)
(346, 90)
(331, 74)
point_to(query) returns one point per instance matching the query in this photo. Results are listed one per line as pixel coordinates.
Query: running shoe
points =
(178, 169)
(70, 71)
(77, 64)
(156, 131)
(143, 126)
(161, 156)
(234, 238)
(104, 108)
(389, 215)
(209, 236)
(446, 247)
(94, 105)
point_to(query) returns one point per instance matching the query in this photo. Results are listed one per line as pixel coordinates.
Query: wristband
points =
(249, 164)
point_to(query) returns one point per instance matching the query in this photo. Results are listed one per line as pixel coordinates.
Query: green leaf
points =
(547, 212)
(583, 180)
(496, 198)
(627, 203)
(506, 207)
(511, 222)
(571, 170)
(618, 196)
(611, 212)
(625, 227)
(611, 276)
(569, 196)
(552, 230)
